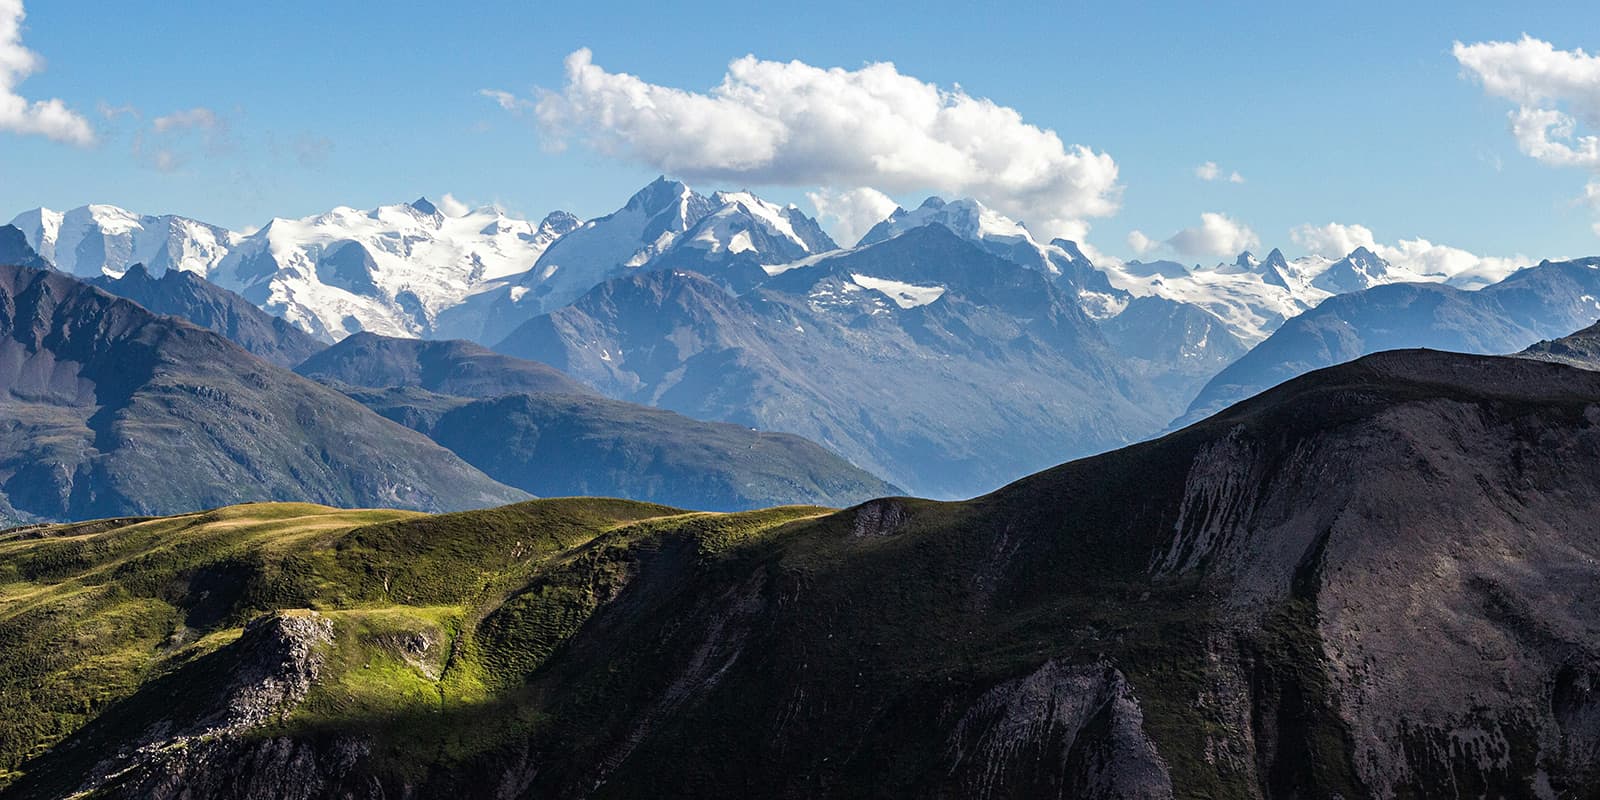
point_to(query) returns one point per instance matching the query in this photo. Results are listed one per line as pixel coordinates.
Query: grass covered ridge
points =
(432, 614)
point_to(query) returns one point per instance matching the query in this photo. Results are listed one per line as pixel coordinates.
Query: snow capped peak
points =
(391, 270)
(743, 222)
(991, 230)
(1071, 249)
(1361, 269)
(104, 239)
(658, 195)
(560, 222)
(1362, 255)
(1246, 260)
(966, 217)
(1275, 260)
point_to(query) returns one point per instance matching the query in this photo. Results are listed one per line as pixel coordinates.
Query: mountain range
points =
(720, 306)
(112, 410)
(532, 427)
(1535, 303)
(922, 358)
(1372, 581)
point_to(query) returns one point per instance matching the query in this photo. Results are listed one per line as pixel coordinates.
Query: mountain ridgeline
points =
(949, 350)
(1372, 581)
(530, 426)
(112, 410)
(188, 296)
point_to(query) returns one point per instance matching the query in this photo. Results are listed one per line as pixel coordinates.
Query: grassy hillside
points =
(432, 616)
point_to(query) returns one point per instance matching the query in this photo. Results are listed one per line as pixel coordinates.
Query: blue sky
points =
(1349, 113)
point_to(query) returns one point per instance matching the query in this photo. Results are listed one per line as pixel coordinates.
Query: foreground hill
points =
(113, 410)
(1374, 581)
(529, 426)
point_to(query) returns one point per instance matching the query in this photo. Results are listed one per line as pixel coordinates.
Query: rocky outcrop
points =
(1067, 731)
(270, 669)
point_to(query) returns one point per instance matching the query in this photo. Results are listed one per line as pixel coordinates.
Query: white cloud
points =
(112, 112)
(1333, 240)
(197, 118)
(505, 100)
(170, 141)
(1209, 171)
(852, 213)
(1554, 91)
(452, 207)
(50, 118)
(1217, 235)
(1140, 243)
(790, 123)
(1463, 268)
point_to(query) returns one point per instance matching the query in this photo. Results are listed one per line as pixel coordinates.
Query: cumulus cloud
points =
(1554, 91)
(789, 123)
(1209, 171)
(452, 207)
(1333, 240)
(1140, 243)
(851, 213)
(1464, 268)
(1217, 235)
(49, 118)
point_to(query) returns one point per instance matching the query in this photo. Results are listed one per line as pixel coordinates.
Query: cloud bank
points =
(49, 118)
(776, 123)
(1335, 240)
(1217, 235)
(851, 213)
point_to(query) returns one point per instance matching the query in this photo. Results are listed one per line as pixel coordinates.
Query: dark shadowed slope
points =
(562, 445)
(1542, 302)
(111, 410)
(452, 367)
(1374, 581)
(14, 249)
(188, 296)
